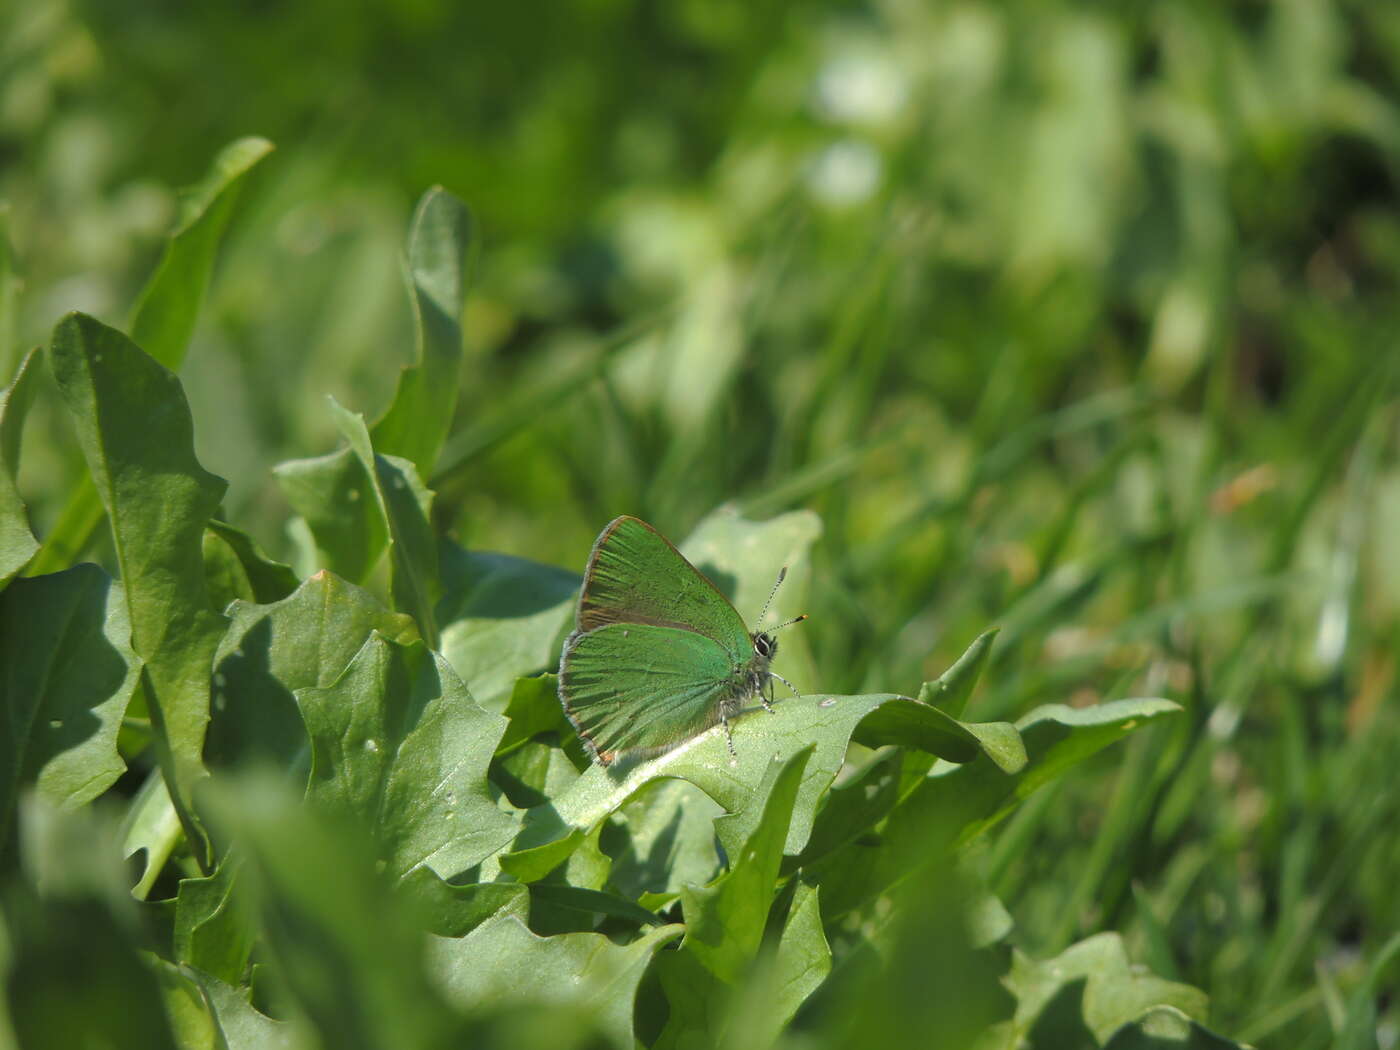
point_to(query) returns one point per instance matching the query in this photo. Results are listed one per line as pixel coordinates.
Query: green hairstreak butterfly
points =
(658, 655)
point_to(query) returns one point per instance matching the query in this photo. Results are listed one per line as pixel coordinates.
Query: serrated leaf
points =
(724, 921)
(235, 567)
(1115, 993)
(583, 972)
(241, 1026)
(954, 803)
(270, 651)
(439, 246)
(66, 677)
(134, 426)
(213, 931)
(398, 745)
(165, 315)
(451, 910)
(829, 722)
(501, 619)
(405, 505)
(17, 543)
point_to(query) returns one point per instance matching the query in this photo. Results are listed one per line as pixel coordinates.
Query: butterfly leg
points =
(774, 674)
(728, 733)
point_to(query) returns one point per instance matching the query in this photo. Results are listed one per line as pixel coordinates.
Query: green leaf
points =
(829, 722)
(950, 690)
(76, 971)
(164, 318)
(439, 245)
(240, 1026)
(399, 746)
(270, 651)
(533, 708)
(577, 972)
(151, 827)
(724, 922)
(134, 427)
(954, 803)
(333, 496)
(348, 957)
(77, 978)
(405, 505)
(213, 930)
(1166, 1028)
(1114, 992)
(853, 807)
(501, 618)
(803, 957)
(17, 543)
(68, 676)
(190, 1020)
(236, 567)
(452, 910)
(662, 838)
(165, 313)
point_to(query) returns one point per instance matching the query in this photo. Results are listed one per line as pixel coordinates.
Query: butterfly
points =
(658, 654)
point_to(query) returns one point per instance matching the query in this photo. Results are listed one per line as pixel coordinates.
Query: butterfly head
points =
(765, 646)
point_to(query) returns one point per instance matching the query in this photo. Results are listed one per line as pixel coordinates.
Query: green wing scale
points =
(635, 575)
(642, 688)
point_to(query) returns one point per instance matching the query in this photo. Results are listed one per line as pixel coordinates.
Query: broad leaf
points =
(1107, 989)
(66, 676)
(951, 804)
(235, 567)
(270, 651)
(134, 427)
(213, 931)
(399, 747)
(333, 496)
(502, 965)
(501, 619)
(165, 314)
(346, 952)
(240, 1025)
(828, 722)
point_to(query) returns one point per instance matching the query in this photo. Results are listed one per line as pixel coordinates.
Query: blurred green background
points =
(1075, 319)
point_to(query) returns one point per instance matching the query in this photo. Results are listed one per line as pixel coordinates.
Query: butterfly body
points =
(658, 655)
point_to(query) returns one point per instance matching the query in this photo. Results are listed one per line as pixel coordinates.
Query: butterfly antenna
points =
(788, 623)
(782, 573)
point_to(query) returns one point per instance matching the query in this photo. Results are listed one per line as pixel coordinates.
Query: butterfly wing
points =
(635, 575)
(642, 687)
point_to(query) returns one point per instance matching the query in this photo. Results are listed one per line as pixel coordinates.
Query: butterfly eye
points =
(765, 645)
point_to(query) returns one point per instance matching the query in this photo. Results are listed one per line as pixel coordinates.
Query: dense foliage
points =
(1071, 322)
